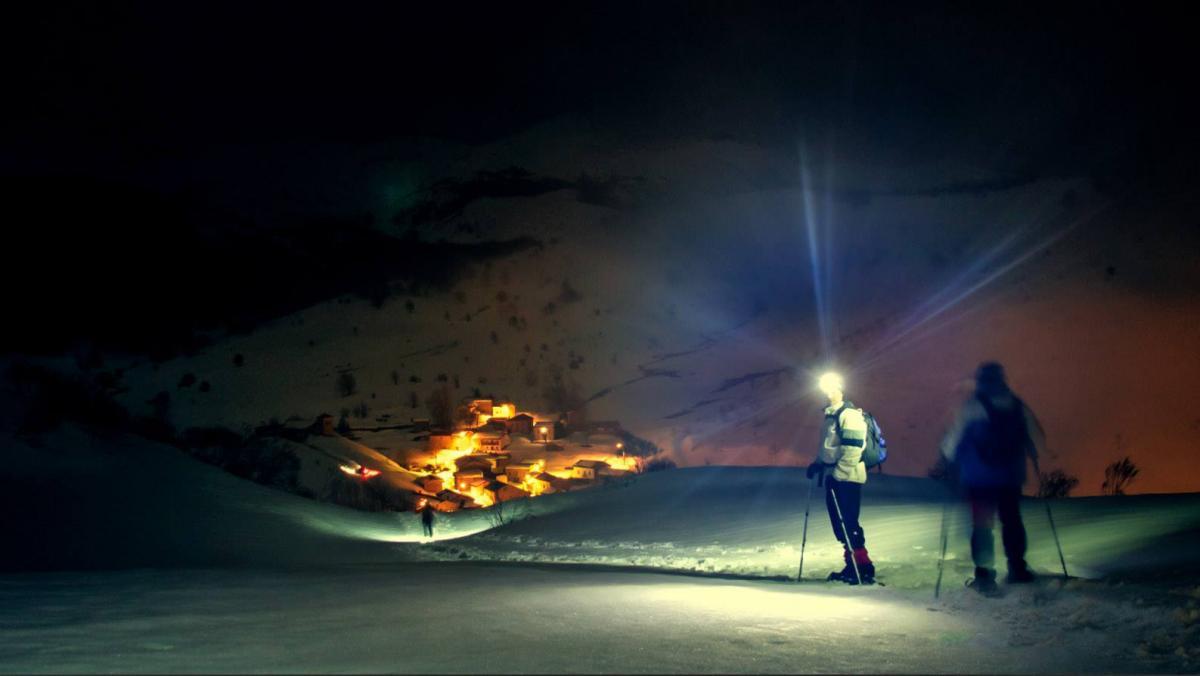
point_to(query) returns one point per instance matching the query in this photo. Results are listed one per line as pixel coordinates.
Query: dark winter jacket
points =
(970, 436)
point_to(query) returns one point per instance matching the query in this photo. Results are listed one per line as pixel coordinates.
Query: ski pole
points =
(845, 534)
(937, 588)
(804, 538)
(1054, 531)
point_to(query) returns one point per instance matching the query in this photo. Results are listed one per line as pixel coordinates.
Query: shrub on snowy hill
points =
(1056, 484)
(1118, 475)
(637, 446)
(254, 459)
(660, 464)
(367, 496)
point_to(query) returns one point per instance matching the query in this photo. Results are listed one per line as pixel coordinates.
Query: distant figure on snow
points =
(427, 520)
(989, 440)
(840, 467)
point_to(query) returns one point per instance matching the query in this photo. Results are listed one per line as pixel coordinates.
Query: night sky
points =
(155, 141)
(1092, 88)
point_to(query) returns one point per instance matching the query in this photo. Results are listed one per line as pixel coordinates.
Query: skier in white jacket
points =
(840, 467)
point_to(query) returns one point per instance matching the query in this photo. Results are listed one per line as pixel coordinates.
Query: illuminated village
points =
(495, 453)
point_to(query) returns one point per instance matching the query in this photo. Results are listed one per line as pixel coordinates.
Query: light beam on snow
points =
(396, 527)
(738, 600)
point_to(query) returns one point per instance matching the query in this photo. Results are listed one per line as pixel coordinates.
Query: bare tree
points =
(1056, 484)
(499, 514)
(504, 512)
(1118, 475)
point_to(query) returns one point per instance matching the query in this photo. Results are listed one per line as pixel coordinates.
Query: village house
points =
(493, 442)
(521, 423)
(430, 483)
(588, 469)
(495, 426)
(475, 461)
(500, 462)
(464, 479)
(557, 484)
(502, 492)
(449, 501)
(517, 471)
(544, 483)
(478, 412)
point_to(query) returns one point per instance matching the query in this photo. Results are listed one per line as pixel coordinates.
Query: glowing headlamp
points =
(831, 381)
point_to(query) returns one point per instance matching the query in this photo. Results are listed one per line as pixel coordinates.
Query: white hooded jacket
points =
(842, 454)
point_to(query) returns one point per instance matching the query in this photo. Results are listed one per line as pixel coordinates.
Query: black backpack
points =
(1004, 438)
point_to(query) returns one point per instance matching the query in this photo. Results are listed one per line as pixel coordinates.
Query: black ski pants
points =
(849, 499)
(986, 503)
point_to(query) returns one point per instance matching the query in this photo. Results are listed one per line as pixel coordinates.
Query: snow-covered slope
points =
(749, 520)
(360, 594)
(124, 502)
(79, 502)
(689, 311)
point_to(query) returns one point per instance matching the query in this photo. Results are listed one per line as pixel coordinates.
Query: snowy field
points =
(472, 618)
(172, 566)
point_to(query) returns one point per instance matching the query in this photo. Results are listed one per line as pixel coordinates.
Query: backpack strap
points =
(837, 419)
(837, 425)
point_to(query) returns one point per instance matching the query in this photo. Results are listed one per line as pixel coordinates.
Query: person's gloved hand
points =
(814, 469)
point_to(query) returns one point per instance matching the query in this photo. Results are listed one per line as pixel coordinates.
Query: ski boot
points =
(984, 582)
(846, 574)
(1019, 573)
(866, 569)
